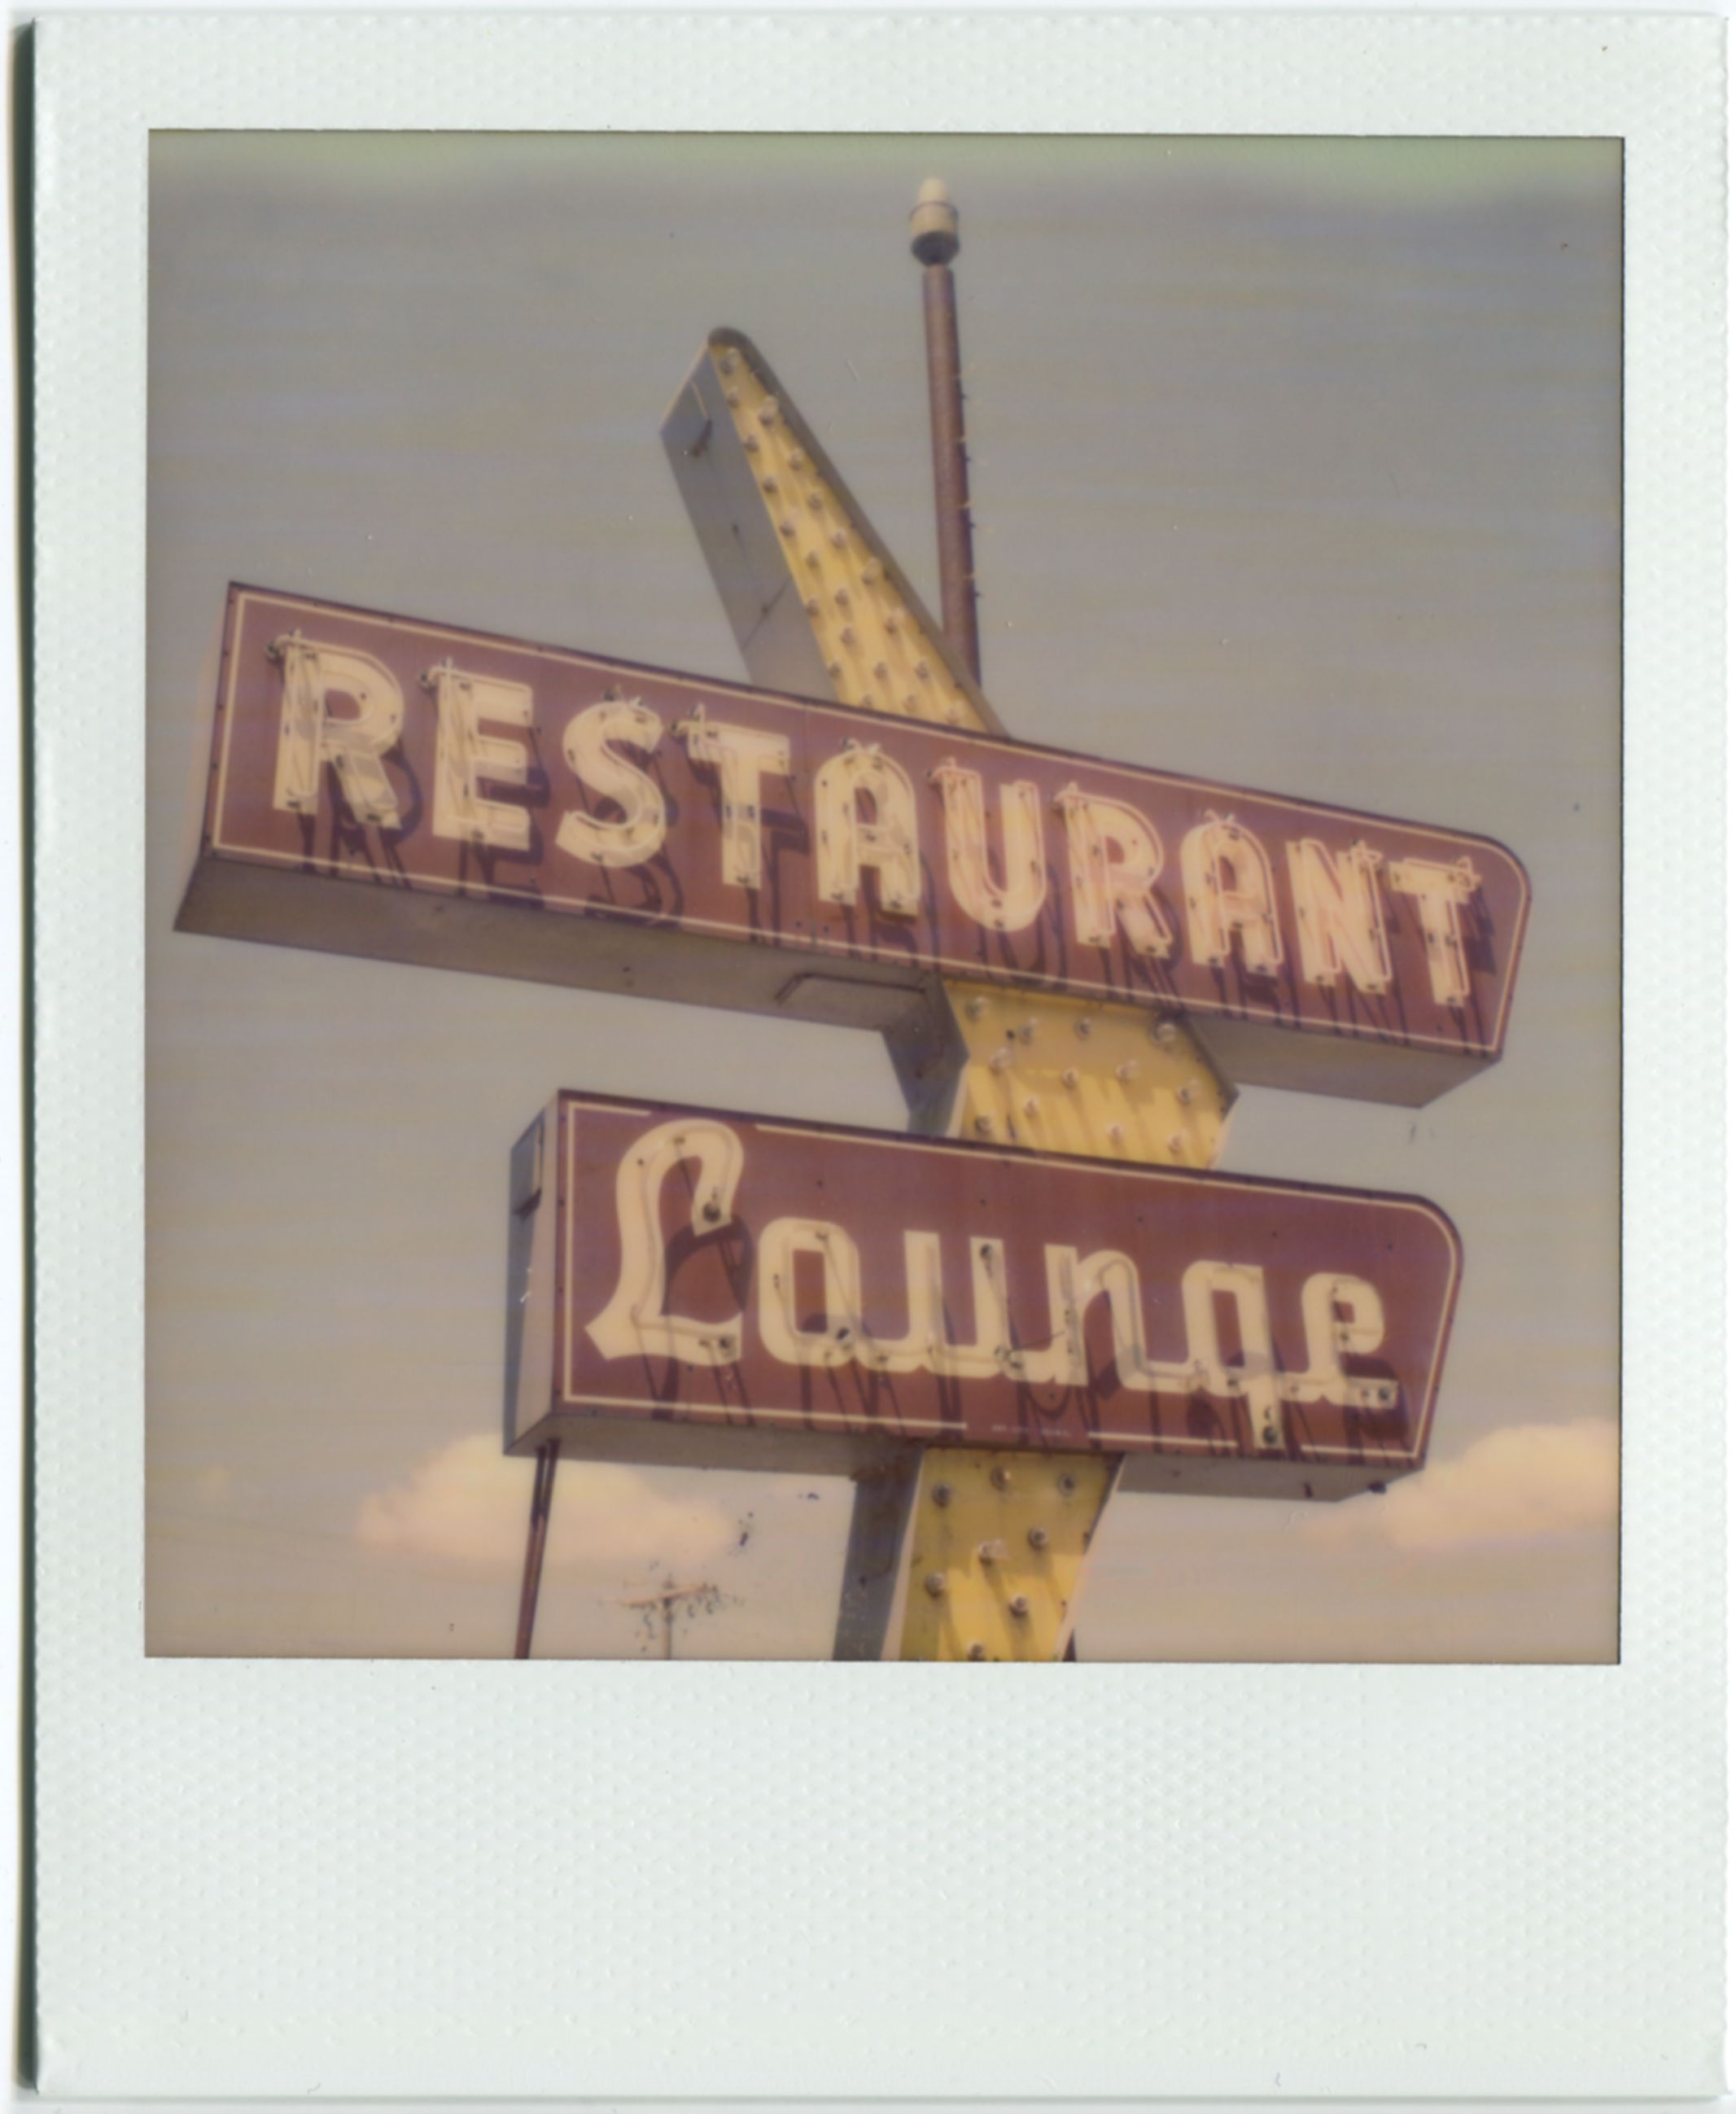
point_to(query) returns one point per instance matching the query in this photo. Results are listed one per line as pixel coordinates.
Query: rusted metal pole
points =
(542, 1490)
(934, 239)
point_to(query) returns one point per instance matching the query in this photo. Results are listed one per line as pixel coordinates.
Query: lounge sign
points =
(688, 1283)
(384, 787)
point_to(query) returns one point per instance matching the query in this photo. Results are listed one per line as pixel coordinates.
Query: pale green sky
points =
(1294, 464)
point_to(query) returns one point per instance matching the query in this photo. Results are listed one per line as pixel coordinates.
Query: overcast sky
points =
(1294, 464)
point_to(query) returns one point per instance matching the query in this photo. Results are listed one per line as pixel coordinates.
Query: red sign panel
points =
(724, 1290)
(496, 806)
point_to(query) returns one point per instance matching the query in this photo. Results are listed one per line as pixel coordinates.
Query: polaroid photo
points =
(864, 840)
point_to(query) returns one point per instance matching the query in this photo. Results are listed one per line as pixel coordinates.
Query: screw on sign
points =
(1066, 956)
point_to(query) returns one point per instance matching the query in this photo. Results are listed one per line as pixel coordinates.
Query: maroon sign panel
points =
(409, 790)
(720, 1290)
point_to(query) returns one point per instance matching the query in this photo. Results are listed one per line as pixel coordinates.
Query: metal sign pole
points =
(542, 1492)
(934, 243)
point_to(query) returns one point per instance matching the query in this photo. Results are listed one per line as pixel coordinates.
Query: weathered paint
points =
(769, 898)
(716, 1280)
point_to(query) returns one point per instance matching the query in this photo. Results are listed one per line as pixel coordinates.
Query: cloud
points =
(469, 1504)
(1530, 1482)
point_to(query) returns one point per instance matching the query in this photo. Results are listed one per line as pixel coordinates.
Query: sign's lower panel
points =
(695, 1288)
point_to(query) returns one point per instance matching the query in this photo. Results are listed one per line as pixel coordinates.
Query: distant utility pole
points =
(668, 1597)
(934, 238)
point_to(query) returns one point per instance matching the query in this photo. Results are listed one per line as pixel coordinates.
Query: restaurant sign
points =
(408, 790)
(689, 1287)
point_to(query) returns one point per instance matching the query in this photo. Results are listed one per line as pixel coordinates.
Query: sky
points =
(1294, 464)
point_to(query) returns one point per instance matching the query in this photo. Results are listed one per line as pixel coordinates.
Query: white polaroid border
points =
(427, 1880)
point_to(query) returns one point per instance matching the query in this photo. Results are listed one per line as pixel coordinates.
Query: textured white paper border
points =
(291, 1877)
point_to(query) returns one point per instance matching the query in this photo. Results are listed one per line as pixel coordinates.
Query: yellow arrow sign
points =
(993, 1557)
(819, 605)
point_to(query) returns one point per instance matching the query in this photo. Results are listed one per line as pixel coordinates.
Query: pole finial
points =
(934, 226)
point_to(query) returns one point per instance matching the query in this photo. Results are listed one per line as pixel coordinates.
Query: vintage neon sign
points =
(690, 1282)
(458, 778)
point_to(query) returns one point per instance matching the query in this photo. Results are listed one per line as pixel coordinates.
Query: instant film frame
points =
(312, 1876)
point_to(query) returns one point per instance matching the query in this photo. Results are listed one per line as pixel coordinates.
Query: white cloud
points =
(1530, 1482)
(469, 1505)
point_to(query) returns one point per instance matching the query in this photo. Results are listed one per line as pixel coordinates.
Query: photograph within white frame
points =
(1613, 1879)
(1297, 464)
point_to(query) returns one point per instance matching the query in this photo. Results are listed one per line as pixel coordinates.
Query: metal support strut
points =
(542, 1489)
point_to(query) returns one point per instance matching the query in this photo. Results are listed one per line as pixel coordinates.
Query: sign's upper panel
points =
(492, 805)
